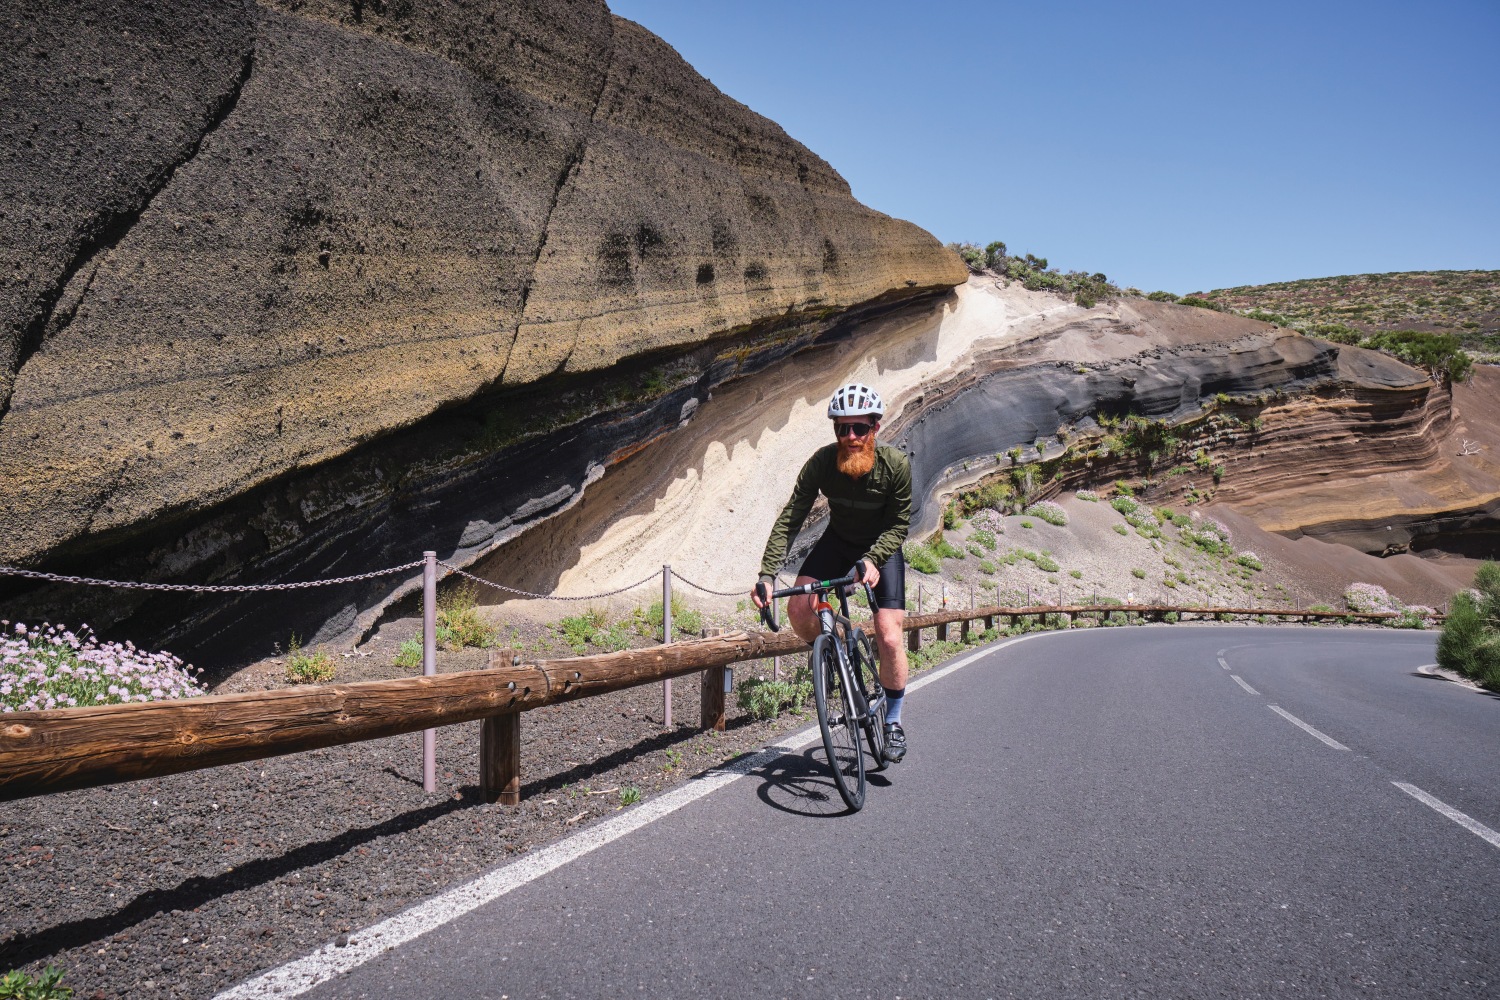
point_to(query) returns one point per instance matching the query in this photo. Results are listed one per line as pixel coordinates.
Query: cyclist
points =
(868, 487)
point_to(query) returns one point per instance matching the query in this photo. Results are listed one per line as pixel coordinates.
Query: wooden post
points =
(715, 680)
(914, 640)
(942, 632)
(963, 631)
(989, 622)
(500, 749)
(500, 758)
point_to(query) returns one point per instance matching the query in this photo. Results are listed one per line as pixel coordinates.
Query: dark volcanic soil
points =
(183, 886)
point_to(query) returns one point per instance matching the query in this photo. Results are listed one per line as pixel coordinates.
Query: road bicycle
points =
(846, 684)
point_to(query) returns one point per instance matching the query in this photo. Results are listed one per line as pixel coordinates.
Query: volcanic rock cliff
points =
(296, 288)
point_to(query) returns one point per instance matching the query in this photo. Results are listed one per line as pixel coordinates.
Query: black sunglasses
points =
(858, 430)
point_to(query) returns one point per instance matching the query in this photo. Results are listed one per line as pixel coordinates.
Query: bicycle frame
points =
(830, 623)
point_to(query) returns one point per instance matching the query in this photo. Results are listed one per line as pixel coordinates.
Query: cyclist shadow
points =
(802, 784)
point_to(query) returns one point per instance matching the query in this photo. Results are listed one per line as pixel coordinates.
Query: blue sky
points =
(1182, 146)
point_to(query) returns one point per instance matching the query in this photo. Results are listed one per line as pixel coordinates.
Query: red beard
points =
(856, 457)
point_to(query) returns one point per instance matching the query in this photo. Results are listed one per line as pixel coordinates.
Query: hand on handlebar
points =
(760, 594)
(870, 576)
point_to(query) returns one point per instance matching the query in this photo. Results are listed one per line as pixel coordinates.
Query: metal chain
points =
(544, 597)
(717, 593)
(204, 588)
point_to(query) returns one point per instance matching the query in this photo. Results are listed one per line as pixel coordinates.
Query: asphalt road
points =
(1102, 813)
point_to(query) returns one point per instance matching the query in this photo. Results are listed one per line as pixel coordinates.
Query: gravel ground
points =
(182, 886)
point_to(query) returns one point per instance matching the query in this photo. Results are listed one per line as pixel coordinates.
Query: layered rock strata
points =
(283, 269)
(996, 368)
(1304, 436)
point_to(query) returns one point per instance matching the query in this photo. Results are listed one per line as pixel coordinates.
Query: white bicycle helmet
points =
(855, 400)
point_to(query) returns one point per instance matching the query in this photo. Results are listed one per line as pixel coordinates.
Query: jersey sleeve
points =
(792, 516)
(897, 515)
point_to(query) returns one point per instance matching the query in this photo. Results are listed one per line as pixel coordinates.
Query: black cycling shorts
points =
(832, 557)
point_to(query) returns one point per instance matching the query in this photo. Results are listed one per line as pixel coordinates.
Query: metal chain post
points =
(429, 663)
(666, 638)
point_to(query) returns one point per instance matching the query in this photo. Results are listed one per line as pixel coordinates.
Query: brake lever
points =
(767, 611)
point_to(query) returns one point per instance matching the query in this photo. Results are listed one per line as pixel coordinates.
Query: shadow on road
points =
(802, 784)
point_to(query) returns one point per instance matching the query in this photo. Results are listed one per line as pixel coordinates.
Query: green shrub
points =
(921, 558)
(945, 549)
(1139, 574)
(1046, 563)
(976, 550)
(1026, 524)
(1120, 529)
(1163, 297)
(766, 699)
(1076, 574)
(685, 620)
(410, 654)
(17, 985)
(458, 621)
(985, 538)
(1439, 353)
(1338, 333)
(1470, 643)
(303, 667)
(629, 795)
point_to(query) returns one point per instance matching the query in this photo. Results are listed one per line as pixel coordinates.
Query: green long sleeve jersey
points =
(872, 512)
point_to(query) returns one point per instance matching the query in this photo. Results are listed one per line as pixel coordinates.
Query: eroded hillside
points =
(1465, 304)
(300, 287)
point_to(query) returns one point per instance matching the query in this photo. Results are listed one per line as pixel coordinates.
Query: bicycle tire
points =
(868, 666)
(836, 721)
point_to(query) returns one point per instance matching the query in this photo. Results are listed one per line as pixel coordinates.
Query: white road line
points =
(303, 974)
(1220, 657)
(1467, 822)
(1288, 716)
(1242, 684)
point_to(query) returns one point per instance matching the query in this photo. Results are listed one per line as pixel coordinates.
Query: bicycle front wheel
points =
(839, 722)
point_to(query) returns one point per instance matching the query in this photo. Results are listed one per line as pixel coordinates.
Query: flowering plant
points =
(55, 667)
(1088, 495)
(1369, 597)
(1049, 512)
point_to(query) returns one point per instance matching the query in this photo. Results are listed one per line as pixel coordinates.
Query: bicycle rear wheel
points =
(836, 718)
(867, 668)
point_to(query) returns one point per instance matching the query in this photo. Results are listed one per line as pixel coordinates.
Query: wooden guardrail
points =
(64, 749)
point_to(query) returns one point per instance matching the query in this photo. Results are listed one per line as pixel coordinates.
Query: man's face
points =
(856, 437)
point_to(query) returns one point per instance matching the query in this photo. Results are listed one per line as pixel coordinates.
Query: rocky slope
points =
(1230, 413)
(300, 287)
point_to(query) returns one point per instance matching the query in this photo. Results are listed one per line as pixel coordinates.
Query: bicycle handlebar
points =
(818, 587)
